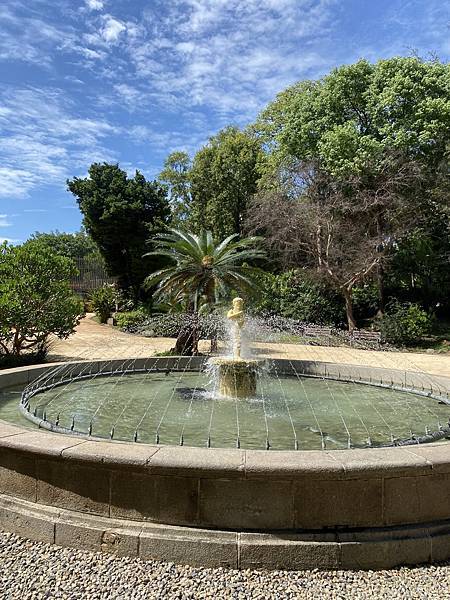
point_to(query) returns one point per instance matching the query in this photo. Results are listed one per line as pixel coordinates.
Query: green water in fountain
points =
(288, 412)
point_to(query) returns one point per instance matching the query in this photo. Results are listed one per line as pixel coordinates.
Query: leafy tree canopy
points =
(120, 213)
(35, 297)
(201, 272)
(176, 176)
(223, 178)
(359, 111)
(73, 245)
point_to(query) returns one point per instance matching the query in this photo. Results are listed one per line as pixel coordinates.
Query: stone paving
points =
(93, 341)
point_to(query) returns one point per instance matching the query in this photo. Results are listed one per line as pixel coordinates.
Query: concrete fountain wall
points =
(372, 508)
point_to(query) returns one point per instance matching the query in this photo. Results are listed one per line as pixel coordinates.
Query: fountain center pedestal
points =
(237, 376)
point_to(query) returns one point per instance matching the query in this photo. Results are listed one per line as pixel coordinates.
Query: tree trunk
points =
(381, 296)
(349, 309)
(187, 340)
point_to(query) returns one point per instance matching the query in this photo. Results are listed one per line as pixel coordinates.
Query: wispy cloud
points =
(4, 222)
(43, 142)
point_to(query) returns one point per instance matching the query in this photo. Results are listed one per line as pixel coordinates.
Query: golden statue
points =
(237, 317)
(237, 376)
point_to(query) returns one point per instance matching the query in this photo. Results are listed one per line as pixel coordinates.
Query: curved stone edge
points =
(228, 488)
(358, 549)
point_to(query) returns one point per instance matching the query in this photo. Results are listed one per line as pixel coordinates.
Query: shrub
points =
(36, 300)
(104, 301)
(365, 300)
(131, 318)
(404, 323)
(294, 296)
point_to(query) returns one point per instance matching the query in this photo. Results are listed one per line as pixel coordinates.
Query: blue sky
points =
(131, 80)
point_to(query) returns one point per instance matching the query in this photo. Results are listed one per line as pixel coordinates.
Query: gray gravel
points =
(37, 570)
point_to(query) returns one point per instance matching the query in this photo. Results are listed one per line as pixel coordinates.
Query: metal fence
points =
(92, 274)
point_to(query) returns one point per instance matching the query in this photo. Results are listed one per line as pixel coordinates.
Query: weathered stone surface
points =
(283, 465)
(94, 534)
(7, 429)
(133, 496)
(67, 485)
(40, 442)
(381, 462)
(18, 474)
(416, 499)
(193, 547)
(385, 554)
(283, 551)
(247, 504)
(195, 462)
(26, 520)
(177, 500)
(438, 456)
(111, 453)
(352, 502)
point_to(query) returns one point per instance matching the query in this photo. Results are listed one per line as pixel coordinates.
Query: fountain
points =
(149, 460)
(237, 376)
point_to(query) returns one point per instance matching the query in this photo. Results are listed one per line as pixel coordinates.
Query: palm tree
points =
(202, 271)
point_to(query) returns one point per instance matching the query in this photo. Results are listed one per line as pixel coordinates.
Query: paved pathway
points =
(93, 341)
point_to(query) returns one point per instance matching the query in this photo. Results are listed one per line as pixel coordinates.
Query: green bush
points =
(130, 318)
(104, 300)
(365, 300)
(36, 300)
(293, 295)
(404, 324)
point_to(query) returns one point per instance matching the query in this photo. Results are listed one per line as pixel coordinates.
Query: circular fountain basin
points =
(330, 508)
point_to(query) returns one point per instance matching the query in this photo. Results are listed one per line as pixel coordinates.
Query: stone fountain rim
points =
(225, 507)
(271, 462)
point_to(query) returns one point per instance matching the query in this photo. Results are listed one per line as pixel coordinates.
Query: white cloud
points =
(4, 221)
(112, 29)
(94, 4)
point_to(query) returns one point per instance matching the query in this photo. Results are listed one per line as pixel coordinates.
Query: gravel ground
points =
(37, 570)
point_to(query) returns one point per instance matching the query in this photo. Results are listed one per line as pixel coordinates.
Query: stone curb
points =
(366, 549)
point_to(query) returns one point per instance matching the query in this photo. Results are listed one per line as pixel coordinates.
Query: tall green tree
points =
(36, 300)
(176, 176)
(354, 120)
(224, 177)
(121, 213)
(202, 271)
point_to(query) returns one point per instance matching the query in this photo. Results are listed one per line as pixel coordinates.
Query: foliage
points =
(202, 271)
(36, 300)
(176, 176)
(359, 111)
(131, 318)
(365, 300)
(420, 266)
(202, 267)
(293, 295)
(404, 323)
(104, 301)
(350, 125)
(120, 213)
(338, 229)
(223, 178)
(73, 245)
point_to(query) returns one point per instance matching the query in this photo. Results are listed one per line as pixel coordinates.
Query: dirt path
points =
(93, 341)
